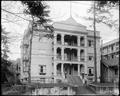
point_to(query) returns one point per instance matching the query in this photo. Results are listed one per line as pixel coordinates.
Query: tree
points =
(36, 10)
(98, 9)
(102, 4)
(7, 70)
(5, 44)
(104, 13)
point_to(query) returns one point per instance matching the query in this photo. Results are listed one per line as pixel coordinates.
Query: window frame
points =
(43, 68)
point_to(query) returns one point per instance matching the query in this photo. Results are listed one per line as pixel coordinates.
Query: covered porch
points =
(65, 69)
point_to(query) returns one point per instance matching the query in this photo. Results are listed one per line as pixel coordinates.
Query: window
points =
(90, 58)
(82, 41)
(25, 67)
(42, 69)
(90, 72)
(112, 56)
(116, 72)
(90, 43)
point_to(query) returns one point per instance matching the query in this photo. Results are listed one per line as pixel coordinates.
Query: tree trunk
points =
(31, 37)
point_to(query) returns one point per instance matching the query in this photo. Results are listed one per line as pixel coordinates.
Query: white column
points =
(78, 54)
(55, 53)
(62, 38)
(62, 53)
(55, 71)
(78, 40)
(78, 70)
(55, 38)
(62, 71)
(69, 90)
(86, 41)
(85, 68)
(86, 55)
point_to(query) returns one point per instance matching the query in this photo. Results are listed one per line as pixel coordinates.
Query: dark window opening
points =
(90, 58)
(90, 72)
(42, 70)
(116, 72)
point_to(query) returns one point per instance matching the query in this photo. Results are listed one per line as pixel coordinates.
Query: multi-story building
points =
(110, 61)
(70, 52)
(110, 49)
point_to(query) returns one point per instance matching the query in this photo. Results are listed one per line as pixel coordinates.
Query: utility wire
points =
(10, 21)
(15, 15)
(82, 3)
(24, 18)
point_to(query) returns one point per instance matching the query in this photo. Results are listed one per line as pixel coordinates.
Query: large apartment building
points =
(70, 52)
(110, 49)
(110, 61)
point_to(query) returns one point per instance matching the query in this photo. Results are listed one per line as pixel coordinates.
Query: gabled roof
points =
(71, 21)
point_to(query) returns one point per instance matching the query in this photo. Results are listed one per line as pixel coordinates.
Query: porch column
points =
(78, 54)
(55, 71)
(62, 53)
(62, 35)
(62, 71)
(78, 70)
(78, 39)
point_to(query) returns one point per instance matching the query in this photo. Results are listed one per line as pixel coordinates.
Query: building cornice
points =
(71, 31)
(98, 37)
(63, 30)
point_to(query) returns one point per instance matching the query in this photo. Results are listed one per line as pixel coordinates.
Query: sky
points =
(59, 10)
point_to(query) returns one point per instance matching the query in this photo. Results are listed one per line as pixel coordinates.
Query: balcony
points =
(70, 40)
(71, 59)
(82, 44)
(82, 59)
(59, 42)
(59, 57)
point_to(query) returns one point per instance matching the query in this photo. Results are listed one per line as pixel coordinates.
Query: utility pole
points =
(70, 9)
(101, 78)
(31, 37)
(95, 56)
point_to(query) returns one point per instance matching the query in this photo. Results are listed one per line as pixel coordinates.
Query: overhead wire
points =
(30, 20)
(10, 21)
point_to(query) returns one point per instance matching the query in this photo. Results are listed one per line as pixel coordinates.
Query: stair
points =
(84, 90)
(75, 80)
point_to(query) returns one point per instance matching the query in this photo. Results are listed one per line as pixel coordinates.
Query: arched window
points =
(58, 53)
(58, 39)
(82, 55)
(67, 55)
(82, 41)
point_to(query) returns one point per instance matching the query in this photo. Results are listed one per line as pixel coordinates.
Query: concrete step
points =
(76, 80)
(84, 90)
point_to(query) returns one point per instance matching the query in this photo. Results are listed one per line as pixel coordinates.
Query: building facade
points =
(110, 49)
(70, 52)
(110, 61)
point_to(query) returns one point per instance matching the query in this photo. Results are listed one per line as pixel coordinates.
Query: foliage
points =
(5, 43)
(101, 4)
(6, 74)
(104, 13)
(37, 10)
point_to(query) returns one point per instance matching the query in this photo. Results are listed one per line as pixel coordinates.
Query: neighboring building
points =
(71, 52)
(111, 49)
(18, 65)
(15, 68)
(110, 61)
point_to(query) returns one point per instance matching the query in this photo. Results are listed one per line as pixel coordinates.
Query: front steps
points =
(75, 80)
